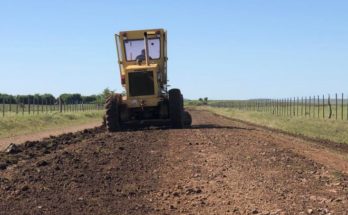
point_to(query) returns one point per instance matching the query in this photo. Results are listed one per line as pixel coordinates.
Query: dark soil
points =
(218, 166)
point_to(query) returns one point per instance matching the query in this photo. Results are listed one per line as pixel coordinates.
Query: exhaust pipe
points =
(146, 49)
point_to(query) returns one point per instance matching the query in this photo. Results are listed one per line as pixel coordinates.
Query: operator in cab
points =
(141, 57)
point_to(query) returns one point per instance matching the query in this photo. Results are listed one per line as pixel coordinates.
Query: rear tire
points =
(112, 116)
(176, 108)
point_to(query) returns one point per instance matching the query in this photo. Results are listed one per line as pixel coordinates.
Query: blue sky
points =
(219, 49)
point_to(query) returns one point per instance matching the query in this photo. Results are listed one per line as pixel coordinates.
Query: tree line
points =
(66, 98)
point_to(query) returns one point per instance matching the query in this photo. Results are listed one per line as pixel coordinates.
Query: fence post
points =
(313, 107)
(305, 107)
(17, 106)
(29, 105)
(293, 107)
(279, 107)
(38, 106)
(318, 107)
(336, 107)
(297, 102)
(323, 106)
(46, 105)
(288, 107)
(33, 106)
(310, 106)
(342, 107)
(347, 107)
(301, 106)
(330, 109)
(3, 106)
(284, 107)
(42, 105)
(60, 105)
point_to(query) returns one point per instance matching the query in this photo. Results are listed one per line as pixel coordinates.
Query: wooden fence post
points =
(297, 105)
(305, 106)
(42, 105)
(3, 106)
(29, 105)
(342, 107)
(336, 107)
(17, 106)
(33, 109)
(347, 107)
(302, 106)
(330, 109)
(38, 106)
(309, 108)
(318, 107)
(314, 109)
(323, 106)
(60, 105)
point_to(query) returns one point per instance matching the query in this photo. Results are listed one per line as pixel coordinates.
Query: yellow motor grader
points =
(142, 59)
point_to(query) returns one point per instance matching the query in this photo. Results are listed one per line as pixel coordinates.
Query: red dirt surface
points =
(219, 166)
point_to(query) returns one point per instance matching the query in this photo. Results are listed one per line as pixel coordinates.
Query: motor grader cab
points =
(142, 59)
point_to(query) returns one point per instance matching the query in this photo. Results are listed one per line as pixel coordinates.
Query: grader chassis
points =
(142, 59)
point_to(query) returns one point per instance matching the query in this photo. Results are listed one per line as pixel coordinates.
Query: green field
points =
(13, 124)
(329, 129)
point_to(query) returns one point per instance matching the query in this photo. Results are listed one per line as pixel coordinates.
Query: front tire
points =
(112, 116)
(176, 108)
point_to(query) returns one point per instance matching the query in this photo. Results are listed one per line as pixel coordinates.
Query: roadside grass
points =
(328, 129)
(14, 125)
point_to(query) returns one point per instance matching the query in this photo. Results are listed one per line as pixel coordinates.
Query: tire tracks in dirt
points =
(219, 166)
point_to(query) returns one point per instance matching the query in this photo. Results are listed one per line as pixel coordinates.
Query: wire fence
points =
(324, 106)
(42, 106)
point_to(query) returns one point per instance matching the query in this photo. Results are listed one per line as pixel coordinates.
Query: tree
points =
(71, 98)
(107, 92)
(205, 100)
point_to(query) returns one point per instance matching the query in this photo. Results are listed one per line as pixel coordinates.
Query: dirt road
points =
(219, 166)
